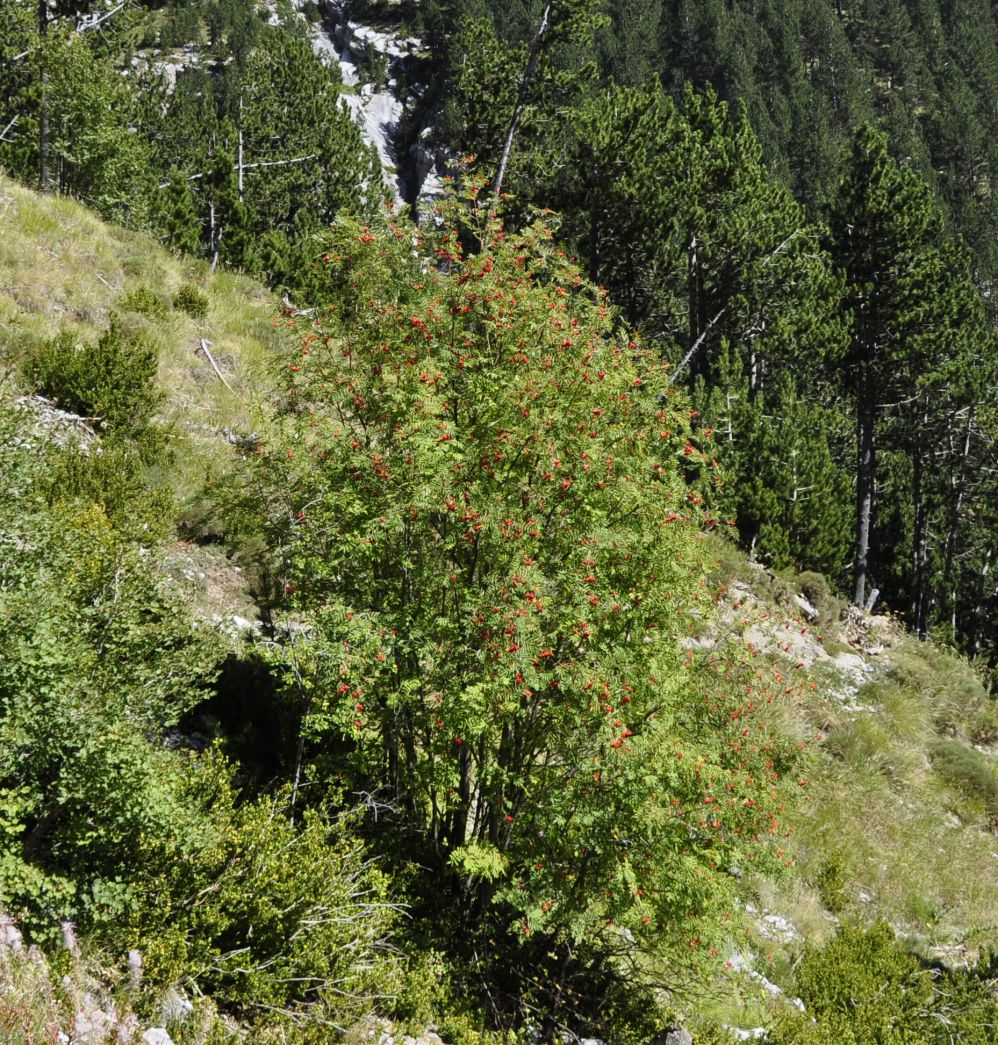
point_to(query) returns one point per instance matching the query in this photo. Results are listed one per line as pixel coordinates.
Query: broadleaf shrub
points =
(486, 526)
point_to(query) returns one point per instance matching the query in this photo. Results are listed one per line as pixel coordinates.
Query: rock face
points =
(414, 177)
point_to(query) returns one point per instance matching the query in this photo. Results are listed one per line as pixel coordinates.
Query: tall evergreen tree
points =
(916, 317)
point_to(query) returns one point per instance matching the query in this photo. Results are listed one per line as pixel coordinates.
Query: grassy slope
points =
(62, 267)
(898, 820)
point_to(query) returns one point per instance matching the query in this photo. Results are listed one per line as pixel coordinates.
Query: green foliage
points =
(145, 301)
(190, 300)
(96, 662)
(862, 989)
(94, 153)
(280, 917)
(177, 215)
(181, 24)
(111, 381)
(816, 589)
(277, 106)
(831, 881)
(916, 342)
(112, 475)
(486, 527)
(703, 248)
(971, 771)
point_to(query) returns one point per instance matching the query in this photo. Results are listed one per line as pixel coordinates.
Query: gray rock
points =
(174, 1006)
(674, 1036)
(156, 1036)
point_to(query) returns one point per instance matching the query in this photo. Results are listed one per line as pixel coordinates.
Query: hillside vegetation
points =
(561, 608)
(215, 805)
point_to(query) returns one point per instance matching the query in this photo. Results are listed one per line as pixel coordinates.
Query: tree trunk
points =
(920, 546)
(693, 310)
(973, 642)
(44, 148)
(959, 492)
(865, 480)
(521, 100)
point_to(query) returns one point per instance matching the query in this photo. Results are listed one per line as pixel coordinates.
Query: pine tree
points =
(178, 216)
(916, 319)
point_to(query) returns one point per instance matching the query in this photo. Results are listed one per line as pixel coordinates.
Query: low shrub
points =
(111, 380)
(815, 588)
(113, 477)
(190, 300)
(973, 773)
(270, 913)
(863, 989)
(144, 301)
(830, 882)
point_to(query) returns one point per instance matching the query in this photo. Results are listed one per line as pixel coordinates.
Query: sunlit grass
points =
(61, 267)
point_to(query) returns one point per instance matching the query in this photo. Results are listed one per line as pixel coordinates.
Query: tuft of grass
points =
(972, 772)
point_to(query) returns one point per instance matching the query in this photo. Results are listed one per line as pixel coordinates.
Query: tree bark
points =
(920, 545)
(44, 147)
(959, 492)
(521, 99)
(866, 461)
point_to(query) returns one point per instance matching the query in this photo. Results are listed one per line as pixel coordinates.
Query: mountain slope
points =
(898, 800)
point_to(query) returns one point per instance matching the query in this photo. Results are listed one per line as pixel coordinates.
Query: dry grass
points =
(61, 267)
(917, 849)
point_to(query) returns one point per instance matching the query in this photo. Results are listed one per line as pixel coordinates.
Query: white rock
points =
(156, 1036)
(776, 927)
(175, 1007)
(808, 608)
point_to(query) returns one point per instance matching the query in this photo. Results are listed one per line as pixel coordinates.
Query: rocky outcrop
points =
(374, 65)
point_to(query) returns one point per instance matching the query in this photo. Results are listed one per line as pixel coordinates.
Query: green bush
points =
(144, 301)
(114, 479)
(96, 663)
(190, 300)
(974, 773)
(814, 587)
(111, 380)
(831, 881)
(272, 913)
(863, 989)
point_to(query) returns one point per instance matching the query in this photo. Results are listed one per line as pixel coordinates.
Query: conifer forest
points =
(498, 510)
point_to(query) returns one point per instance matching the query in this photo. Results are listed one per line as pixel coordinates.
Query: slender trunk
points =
(959, 492)
(973, 643)
(594, 241)
(44, 147)
(239, 161)
(755, 380)
(920, 549)
(866, 416)
(521, 99)
(692, 299)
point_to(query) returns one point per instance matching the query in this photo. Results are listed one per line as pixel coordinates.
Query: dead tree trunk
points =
(521, 99)
(866, 461)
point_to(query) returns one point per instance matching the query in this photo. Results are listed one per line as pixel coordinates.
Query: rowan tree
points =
(488, 535)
